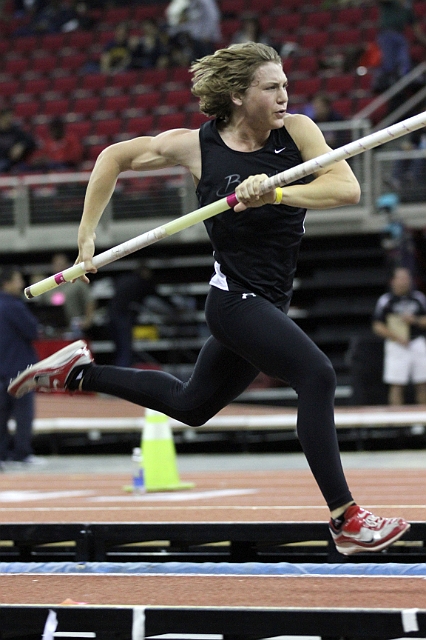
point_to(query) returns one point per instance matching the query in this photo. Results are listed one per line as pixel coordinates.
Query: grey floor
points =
(187, 463)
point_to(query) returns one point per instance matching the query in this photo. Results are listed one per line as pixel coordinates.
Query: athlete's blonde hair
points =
(228, 71)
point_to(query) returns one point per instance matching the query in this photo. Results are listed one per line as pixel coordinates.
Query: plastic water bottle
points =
(138, 475)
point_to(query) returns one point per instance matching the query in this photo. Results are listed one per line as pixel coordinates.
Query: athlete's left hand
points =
(248, 193)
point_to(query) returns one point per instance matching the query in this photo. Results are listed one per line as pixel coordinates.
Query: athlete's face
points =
(265, 101)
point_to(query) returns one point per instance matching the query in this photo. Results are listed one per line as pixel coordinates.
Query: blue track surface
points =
(217, 568)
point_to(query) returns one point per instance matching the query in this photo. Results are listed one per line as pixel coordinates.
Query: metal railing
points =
(42, 212)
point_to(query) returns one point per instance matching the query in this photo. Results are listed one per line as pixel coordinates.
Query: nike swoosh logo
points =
(279, 150)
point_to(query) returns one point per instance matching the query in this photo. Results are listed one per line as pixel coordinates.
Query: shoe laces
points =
(373, 521)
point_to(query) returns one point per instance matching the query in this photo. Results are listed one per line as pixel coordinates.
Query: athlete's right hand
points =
(249, 193)
(86, 251)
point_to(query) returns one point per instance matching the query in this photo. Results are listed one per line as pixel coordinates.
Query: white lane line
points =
(175, 496)
(29, 495)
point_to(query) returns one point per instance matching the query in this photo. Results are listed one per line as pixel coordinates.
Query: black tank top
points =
(256, 250)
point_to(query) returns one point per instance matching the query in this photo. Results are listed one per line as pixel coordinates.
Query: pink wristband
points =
(232, 200)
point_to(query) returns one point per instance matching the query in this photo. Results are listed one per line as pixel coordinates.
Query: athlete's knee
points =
(321, 376)
(196, 417)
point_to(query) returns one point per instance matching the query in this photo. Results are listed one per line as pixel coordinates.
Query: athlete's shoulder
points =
(177, 145)
(302, 129)
(296, 120)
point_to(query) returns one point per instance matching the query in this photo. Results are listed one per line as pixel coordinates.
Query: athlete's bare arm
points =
(333, 186)
(175, 147)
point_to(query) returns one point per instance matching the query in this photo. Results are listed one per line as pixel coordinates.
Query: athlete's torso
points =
(256, 250)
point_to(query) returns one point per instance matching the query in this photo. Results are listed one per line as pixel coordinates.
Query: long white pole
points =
(279, 180)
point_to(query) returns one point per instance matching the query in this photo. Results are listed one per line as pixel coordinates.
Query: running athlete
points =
(251, 136)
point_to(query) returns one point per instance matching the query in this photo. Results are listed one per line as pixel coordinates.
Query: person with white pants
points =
(400, 318)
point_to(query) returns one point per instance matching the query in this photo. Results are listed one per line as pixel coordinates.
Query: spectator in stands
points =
(394, 18)
(243, 89)
(80, 19)
(400, 318)
(18, 330)
(321, 110)
(51, 17)
(16, 144)
(197, 19)
(117, 54)
(61, 149)
(151, 50)
(131, 290)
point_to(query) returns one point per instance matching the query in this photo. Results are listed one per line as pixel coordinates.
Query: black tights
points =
(249, 335)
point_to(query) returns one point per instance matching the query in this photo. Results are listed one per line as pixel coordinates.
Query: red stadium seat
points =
(179, 98)
(94, 150)
(65, 84)
(350, 16)
(155, 10)
(344, 106)
(341, 85)
(16, 66)
(53, 41)
(307, 88)
(229, 27)
(80, 128)
(314, 41)
(306, 64)
(27, 109)
(9, 89)
(44, 64)
(114, 15)
(365, 82)
(147, 101)
(139, 126)
(86, 106)
(267, 5)
(117, 103)
(233, 7)
(419, 8)
(41, 130)
(73, 62)
(318, 19)
(25, 44)
(196, 120)
(125, 79)
(171, 121)
(36, 86)
(347, 36)
(288, 22)
(181, 74)
(94, 81)
(81, 39)
(154, 77)
(108, 127)
(56, 107)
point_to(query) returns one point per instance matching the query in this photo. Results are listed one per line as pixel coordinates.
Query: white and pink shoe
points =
(52, 373)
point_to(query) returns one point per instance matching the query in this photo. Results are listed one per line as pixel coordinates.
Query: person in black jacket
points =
(15, 143)
(131, 289)
(18, 329)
